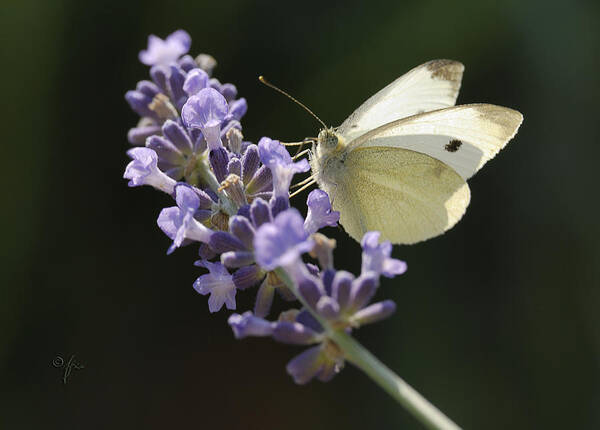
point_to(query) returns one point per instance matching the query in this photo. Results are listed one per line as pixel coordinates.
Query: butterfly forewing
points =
(463, 137)
(430, 86)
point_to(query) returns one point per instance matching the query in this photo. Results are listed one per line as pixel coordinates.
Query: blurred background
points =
(497, 320)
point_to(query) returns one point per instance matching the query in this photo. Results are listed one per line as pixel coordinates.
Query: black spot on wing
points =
(453, 145)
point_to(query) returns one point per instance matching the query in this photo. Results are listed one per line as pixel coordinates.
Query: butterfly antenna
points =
(279, 90)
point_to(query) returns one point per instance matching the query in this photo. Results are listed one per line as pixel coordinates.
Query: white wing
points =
(405, 195)
(463, 137)
(430, 86)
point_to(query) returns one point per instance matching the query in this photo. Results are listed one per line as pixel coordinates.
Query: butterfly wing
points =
(406, 195)
(430, 86)
(462, 137)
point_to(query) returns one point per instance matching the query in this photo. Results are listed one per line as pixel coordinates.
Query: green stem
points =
(211, 180)
(430, 416)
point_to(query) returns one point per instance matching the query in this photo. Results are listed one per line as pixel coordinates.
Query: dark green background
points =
(497, 320)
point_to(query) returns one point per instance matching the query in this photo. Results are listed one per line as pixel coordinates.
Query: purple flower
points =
(219, 284)
(282, 242)
(206, 110)
(376, 257)
(178, 222)
(249, 325)
(307, 365)
(319, 212)
(143, 170)
(196, 80)
(274, 155)
(165, 51)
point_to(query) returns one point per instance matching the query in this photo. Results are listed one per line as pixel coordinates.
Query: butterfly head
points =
(328, 140)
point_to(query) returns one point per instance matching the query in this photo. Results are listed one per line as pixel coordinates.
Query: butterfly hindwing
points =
(407, 196)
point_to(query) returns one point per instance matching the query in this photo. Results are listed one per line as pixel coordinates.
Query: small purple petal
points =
(249, 325)
(341, 288)
(138, 135)
(139, 103)
(160, 76)
(281, 242)
(176, 81)
(196, 80)
(181, 225)
(306, 365)
(250, 163)
(376, 257)
(247, 276)
(222, 241)
(233, 259)
(374, 312)
(165, 150)
(165, 51)
(295, 333)
(219, 284)
(148, 88)
(241, 228)
(238, 108)
(206, 110)
(205, 252)
(234, 167)
(261, 181)
(187, 63)
(304, 317)
(279, 204)
(169, 221)
(264, 299)
(274, 155)
(186, 197)
(310, 290)
(244, 211)
(319, 212)
(180, 38)
(260, 212)
(328, 308)
(178, 136)
(229, 91)
(143, 170)
(219, 159)
(327, 278)
(363, 289)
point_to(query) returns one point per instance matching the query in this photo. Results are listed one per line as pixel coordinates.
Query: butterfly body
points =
(400, 162)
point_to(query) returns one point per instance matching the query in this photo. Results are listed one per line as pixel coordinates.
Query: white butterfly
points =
(400, 162)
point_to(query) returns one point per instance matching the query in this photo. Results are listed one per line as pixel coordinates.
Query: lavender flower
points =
(275, 157)
(376, 257)
(282, 242)
(319, 212)
(165, 51)
(249, 325)
(196, 80)
(219, 284)
(206, 110)
(178, 222)
(143, 170)
(232, 201)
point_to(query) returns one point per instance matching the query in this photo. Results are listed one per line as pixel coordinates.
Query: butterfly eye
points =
(328, 139)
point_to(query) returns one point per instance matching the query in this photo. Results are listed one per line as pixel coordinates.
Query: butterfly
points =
(400, 162)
